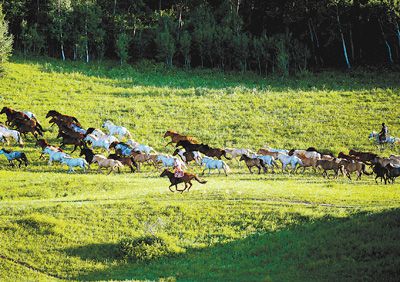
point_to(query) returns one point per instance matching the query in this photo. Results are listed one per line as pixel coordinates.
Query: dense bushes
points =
(147, 247)
(5, 40)
(264, 36)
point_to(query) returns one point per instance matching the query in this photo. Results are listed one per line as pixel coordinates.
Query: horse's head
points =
(168, 133)
(2, 151)
(106, 124)
(165, 173)
(373, 134)
(113, 144)
(52, 113)
(4, 110)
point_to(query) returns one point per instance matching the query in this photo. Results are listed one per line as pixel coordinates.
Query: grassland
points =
(239, 228)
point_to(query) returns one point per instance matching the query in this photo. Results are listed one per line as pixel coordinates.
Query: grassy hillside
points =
(243, 227)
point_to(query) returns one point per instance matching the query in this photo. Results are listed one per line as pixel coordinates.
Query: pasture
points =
(268, 227)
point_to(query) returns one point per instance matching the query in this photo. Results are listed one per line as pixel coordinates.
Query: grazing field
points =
(269, 227)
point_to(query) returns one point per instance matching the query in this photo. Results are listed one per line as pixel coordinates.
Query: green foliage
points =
(184, 46)
(5, 40)
(122, 44)
(32, 40)
(148, 247)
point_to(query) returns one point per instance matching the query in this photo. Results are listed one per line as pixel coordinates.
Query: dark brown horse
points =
(214, 152)
(28, 126)
(176, 137)
(64, 118)
(250, 162)
(365, 157)
(187, 178)
(68, 140)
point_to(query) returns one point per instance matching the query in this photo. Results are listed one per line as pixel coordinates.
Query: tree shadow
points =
(361, 247)
(112, 74)
(102, 252)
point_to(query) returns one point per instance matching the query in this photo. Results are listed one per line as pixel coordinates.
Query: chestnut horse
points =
(176, 137)
(186, 178)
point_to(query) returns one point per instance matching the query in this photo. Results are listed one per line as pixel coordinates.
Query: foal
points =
(250, 162)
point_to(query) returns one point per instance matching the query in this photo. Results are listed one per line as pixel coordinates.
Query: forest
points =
(277, 36)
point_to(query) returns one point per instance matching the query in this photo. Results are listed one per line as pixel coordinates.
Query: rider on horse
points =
(383, 133)
(178, 171)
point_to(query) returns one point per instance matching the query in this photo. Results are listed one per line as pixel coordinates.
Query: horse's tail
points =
(199, 180)
(363, 167)
(226, 167)
(224, 154)
(24, 158)
(19, 139)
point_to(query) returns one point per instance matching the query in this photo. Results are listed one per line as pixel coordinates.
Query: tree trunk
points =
(115, 7)
(351, 43)
(389, 50)
(398, 32)
(342, 37)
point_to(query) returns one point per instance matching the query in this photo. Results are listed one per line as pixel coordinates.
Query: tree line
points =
(275, 36)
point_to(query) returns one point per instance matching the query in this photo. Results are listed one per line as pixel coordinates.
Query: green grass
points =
(238, 228)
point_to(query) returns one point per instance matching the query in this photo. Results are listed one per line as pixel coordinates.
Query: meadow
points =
(269, 227)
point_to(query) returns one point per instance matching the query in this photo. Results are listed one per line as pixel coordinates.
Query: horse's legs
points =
(76, 146)
(190, 185)
(204, 170)
(209, 171)
(219, 172)
(19, 163)
(169, 187)
(249, 168)
(259, 169)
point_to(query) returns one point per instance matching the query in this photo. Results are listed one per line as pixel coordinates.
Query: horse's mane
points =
(6, 151)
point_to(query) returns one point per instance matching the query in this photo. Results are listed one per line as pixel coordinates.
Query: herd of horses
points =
(187, 150)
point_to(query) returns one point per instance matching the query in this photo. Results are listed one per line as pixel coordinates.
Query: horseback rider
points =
(178, 171)
(383, 133)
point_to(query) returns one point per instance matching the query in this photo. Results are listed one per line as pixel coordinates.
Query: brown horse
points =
(354, 166)
(13, 115)
(28, 126)
(214, 152)
(176, 137)
(186, 178)
(250, 162)
(126, 161)
(330, 165)
(265, 152)
(64, 118)
(68, 140)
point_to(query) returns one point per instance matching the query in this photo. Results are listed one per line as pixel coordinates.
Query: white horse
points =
(142, 148)
(389, 139)
(78, 129)
(214, 164)
(97, 143)
(283, 151)
(292, 160)
(101, 135)
(75, 162)
(238, 153)
(170, 161)
(116, 130)
(102, 161)
(54, 156)
(16, 135)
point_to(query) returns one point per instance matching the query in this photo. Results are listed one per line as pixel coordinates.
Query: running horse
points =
(176, 137)
(186, 178)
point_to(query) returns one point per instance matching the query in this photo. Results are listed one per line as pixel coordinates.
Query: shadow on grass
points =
(158, 76)
(362, 247)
